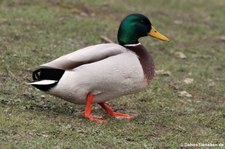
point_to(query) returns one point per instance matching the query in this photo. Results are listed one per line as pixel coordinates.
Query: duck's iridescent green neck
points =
(126, 35)
(132, 28)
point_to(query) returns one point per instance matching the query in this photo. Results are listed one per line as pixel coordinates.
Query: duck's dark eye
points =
(142, 21)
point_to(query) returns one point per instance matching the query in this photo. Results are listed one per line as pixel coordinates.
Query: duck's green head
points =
(135, 26)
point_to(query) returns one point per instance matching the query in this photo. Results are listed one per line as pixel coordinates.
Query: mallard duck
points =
(102, 72)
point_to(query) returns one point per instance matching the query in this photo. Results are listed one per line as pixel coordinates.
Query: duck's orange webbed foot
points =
(95, 119)
(87, 111)
(110, 112)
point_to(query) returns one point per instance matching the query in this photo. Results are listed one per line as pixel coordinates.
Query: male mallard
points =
(99, 73)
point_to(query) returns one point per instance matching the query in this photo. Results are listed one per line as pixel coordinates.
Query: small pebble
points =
(185, 94)
(188, 80)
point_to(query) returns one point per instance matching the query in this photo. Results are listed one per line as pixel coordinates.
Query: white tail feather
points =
(43, 82)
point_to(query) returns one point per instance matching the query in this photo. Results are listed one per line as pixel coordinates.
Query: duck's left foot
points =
(93, 118)
(87, 111)
(110, 112)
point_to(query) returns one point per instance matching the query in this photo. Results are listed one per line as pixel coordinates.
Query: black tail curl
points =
(47, 74)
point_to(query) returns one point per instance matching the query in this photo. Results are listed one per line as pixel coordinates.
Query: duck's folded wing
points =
(86, 55)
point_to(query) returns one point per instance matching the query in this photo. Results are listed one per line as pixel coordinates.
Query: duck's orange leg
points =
(110, 111)
(87, 111)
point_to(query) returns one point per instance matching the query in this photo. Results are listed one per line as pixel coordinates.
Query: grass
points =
(34, 32)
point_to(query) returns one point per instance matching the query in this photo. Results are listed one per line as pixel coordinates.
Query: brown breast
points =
(145, 60)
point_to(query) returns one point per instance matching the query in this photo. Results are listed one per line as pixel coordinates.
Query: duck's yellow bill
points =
(154, 33)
